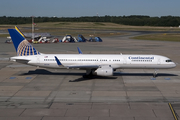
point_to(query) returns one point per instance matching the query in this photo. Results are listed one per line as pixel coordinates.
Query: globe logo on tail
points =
(25, 49)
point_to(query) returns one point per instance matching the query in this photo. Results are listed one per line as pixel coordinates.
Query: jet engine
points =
(104, 71)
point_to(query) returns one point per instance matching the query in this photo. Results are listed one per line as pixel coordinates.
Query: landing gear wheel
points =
(155, 74)
(88, 74)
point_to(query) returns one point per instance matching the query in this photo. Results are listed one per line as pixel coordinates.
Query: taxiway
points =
(44, 94)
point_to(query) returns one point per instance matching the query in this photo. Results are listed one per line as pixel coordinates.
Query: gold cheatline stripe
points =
(29, 50)
(20, 47)
(26, 50)
(172, 110)
(19, 31)
(32, 50)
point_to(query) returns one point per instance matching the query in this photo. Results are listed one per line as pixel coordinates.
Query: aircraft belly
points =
(45, 65)
(116, 66)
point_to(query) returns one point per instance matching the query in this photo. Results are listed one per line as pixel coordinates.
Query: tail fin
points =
(19, 31)
(22, 46)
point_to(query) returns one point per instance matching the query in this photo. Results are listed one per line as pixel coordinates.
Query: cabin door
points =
(124, 60)
(159, 61)
(38, 59)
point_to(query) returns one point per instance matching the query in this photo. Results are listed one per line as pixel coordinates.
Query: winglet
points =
(80, 52)
(57, 60)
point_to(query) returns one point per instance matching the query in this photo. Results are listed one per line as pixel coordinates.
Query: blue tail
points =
(22, 46)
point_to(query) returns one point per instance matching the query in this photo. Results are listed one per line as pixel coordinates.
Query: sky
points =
(78, 8)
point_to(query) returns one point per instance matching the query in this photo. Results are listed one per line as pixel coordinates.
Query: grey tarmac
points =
(31, 93)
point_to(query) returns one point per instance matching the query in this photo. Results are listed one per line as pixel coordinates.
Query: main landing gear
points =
(89, 74)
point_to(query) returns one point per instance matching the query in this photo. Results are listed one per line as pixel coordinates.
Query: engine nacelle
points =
(104, 71)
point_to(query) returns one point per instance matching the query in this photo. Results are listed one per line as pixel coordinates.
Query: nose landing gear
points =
(155, 74)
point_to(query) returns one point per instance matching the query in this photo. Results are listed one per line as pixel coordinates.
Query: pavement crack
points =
(56, 89)
(92, 89)
(22, 112)
(154, 112)
(65, 113)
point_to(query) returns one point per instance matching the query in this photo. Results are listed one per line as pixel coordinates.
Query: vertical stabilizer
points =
(22, 46)
(19, 31)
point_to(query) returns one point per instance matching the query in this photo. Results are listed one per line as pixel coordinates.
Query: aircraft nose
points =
(173, 64)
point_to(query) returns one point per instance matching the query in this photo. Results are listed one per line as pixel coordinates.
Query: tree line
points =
(136, 20)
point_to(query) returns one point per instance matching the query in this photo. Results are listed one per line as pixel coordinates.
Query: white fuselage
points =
(115, 61)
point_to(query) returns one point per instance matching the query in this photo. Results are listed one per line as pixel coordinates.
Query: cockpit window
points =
(168, 60)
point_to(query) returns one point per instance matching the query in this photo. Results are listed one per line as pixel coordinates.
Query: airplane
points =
(29, 35)
(94, 64)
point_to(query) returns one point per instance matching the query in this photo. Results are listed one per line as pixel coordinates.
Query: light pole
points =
(33, 28)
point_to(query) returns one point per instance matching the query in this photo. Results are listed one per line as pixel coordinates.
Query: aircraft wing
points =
(84, 66)
(78, 66)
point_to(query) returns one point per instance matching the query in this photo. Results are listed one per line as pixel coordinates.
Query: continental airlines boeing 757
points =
(94, 64)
